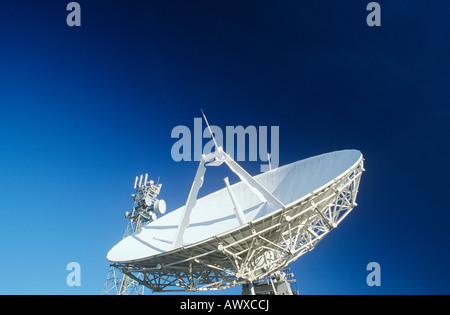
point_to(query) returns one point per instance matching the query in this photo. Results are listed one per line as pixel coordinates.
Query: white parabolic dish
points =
(213, 214)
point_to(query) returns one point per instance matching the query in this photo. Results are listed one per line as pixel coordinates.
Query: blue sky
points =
(86, 109)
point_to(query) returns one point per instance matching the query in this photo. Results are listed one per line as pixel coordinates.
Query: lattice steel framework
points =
(256, 250)
(143, 211)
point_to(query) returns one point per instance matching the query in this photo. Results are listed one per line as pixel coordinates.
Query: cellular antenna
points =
(146, 205)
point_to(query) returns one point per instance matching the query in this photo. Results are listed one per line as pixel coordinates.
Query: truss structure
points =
(255, 250)
(119, 284)
(146, 195)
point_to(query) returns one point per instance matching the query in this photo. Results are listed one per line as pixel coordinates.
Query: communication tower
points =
(145, 207)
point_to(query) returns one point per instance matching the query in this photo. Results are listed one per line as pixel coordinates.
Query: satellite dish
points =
(160, 206)
(244, 232)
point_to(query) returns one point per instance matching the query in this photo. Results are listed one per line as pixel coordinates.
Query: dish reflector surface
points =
(214, 214)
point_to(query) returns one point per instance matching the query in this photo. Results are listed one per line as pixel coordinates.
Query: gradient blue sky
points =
(85, 109)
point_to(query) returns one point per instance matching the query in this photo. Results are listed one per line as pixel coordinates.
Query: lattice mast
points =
(145, 207)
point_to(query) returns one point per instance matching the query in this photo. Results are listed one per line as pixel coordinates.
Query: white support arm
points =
(237, 208)
(190, 203)
(218, 158)
(256, 187)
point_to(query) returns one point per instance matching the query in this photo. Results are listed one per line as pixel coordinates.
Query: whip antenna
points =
(209, 128)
